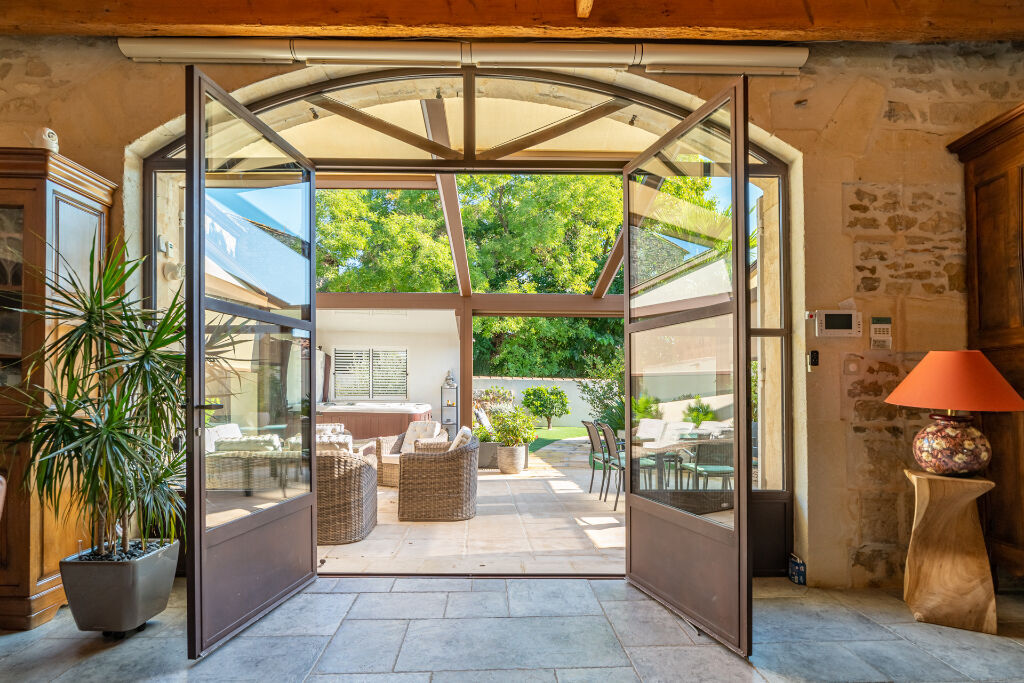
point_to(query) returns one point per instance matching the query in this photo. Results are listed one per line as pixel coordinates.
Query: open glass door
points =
(687, 359)
(251, 512)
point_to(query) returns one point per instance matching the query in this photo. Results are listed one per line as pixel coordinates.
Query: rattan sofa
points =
(436, 484)
(387, 472)
(346, 495)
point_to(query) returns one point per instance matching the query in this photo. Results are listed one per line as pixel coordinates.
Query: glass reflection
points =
(257, 450)
(682, 384)
(681, 224)
(767, 410)
(257, 219)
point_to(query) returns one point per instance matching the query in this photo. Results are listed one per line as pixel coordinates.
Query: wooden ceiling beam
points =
(554, 130)
(774, 20)
(382, 126)
(436, 122)
(584, 8)
(480, 304)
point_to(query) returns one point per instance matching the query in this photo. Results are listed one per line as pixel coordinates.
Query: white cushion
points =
(263, 443)
(650, 429)
(335, 441)
(390, 458)
(332, 428)
(420, 429)
(462, 438)
(212, 434)
(482, 418)
(675, 431)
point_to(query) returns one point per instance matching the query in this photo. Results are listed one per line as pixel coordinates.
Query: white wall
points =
(578, 408)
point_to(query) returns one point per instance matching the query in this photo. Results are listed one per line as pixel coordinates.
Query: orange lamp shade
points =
(956, 380)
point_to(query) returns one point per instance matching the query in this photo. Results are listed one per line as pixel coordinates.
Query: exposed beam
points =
(553, 130)
(584, 8)
(480, 304)
(775, 20)
(611, 266)
(382, 126)
(437, 130)
(375, 181)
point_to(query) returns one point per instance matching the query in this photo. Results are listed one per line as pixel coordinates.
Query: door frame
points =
(740, 310)
(199, 539)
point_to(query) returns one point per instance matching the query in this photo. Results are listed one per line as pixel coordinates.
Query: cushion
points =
(420, 429)
(390, 458)
(215, 432)
(335, 441)
(649, 429)
(262, 443)
(333, 428)
(482, 418)
(462, 438)
(676, 431)
(293, 443)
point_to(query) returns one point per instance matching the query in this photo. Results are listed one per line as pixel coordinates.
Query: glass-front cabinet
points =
(51, 211)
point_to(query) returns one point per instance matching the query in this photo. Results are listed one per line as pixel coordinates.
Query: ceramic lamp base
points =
(952, 445)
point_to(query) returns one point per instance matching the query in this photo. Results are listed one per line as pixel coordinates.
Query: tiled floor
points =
(413, 630)
(541, 521)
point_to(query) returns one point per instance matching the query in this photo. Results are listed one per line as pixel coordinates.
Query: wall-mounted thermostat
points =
(881, 332)
(838, 323)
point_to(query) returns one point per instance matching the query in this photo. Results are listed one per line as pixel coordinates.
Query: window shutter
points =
(390, 373)
(351, 373)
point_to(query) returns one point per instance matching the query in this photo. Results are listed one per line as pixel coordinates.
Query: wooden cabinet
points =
(50, 209)
(993, 158)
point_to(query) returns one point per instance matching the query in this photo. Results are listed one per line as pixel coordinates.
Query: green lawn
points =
(547, 436)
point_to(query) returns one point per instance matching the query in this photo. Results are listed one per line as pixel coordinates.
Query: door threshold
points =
(474, 575)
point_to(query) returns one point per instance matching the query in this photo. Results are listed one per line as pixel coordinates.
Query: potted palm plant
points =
(103, 432)
(514, 432)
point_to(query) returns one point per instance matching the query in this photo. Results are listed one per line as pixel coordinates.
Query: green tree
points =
(546, 402)
(699, 411)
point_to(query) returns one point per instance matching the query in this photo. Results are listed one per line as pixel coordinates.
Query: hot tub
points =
(368, 419)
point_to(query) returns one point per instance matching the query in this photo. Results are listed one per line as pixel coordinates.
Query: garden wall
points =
(578, 408)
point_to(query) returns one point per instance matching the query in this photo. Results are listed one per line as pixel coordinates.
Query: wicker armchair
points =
(436, 484)
(346, 496)
(387, 472)
(250, 471)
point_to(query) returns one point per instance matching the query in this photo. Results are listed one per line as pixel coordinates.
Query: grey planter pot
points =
(119, 596)
(511, 459)
(488, 456)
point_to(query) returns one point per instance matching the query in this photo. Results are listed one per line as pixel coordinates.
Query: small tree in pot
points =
(103, 438)
(514, 431)
(546, 402)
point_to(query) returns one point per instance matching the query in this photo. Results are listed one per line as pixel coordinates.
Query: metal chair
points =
(712, 460)
(617, 461)
(597, 455)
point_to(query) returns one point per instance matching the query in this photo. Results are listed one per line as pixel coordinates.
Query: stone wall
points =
(876, 221)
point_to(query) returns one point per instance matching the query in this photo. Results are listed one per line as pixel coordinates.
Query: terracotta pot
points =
(511, 459)
(952, 445)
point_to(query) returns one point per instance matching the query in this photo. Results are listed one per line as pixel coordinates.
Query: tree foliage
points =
(546, 402)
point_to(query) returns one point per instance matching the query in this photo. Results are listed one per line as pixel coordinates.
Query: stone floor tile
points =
(555, 597)
(616, 589)
(321, 585)
(45, 659)
(371, 678)
(306, 614)
(398, 606)
(131, 659)
(876, 605)
(476, 604)
(777, 587)
(363, 647)
(806, 661)
(617, 674)
(901, 661)
(496, 676)
(490, 585)
(814, 619)
(430, 585)
(171, 623)
(364, 584)
(695, 663)
(979, 655)
(281, 658)
(529, 642)
(644, 623)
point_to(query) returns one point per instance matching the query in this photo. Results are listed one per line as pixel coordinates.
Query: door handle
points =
(209, 406)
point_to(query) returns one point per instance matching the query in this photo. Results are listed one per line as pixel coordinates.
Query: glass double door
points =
(687, 440)
(251, 539)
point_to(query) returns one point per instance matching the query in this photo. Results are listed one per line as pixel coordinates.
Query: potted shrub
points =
(514, 432)
(488, 455)
(103, 437)
(546, 402)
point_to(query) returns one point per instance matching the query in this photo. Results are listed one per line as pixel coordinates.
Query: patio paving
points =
(541, 521)
(448, 630)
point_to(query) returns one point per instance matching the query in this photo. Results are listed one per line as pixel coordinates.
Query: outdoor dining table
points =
(660, 455)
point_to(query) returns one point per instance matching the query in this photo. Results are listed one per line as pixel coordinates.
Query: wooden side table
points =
(948, 580)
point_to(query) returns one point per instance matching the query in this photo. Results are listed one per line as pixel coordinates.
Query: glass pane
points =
(681, 381)
(681, 223)
(767, 410)
(12, 231)
(169, 247)
(764, 226)
(257, 218)
(257, 442)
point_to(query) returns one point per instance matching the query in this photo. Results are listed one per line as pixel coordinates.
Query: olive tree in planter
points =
(514, 432)
(546, 402)
(103, 438)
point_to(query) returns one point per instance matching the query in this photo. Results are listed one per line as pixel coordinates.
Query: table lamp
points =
(954, 381)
